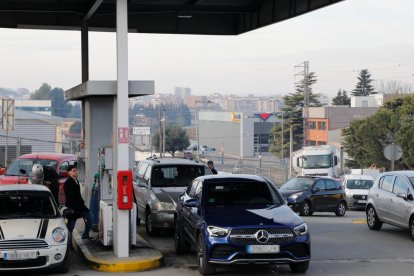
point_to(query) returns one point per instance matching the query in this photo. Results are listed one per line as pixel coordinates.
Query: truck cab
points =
(317, 161)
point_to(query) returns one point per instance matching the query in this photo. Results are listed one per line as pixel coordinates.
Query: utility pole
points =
(160, 130)
(163, 133)
(302, 70)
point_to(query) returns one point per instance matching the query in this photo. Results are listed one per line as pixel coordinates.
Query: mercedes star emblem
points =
(262, 236)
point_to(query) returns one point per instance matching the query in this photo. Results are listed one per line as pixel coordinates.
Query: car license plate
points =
(25, 255)
(253, 249)
(362, 201)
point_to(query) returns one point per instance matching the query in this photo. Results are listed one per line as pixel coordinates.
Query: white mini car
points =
(33, 234)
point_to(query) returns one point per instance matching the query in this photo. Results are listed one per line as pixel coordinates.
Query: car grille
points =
(248, 236)
(360, 196)
(223, 251)
(39, 262)
(22, 244)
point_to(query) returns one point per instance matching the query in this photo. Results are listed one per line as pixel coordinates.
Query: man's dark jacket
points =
(73, 198)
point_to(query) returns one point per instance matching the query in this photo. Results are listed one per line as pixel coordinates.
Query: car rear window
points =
(27, 205)
(240, 193)
(359, 184)
(176, 175)
(24, 166)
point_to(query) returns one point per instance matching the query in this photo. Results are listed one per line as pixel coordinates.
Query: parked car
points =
(309, 194)
(391, 200)
(157, 185)
(19, 169)
(356, 189)
(239, 219)
(33, 234)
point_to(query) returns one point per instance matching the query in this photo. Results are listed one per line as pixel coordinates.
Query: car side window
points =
(198, 190)
(387, 183)
(142, 168)
(193, 189)
(400, 186)
(330, 185)
(320, 185)
(338, 185)
(63, 166)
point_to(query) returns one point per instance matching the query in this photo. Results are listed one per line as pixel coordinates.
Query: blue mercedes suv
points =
(239, 219)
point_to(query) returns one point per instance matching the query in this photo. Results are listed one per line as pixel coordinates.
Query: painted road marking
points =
(359, 221)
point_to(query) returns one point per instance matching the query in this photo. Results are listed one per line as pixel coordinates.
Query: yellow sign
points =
(235, 117)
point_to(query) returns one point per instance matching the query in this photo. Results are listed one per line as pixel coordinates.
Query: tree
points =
(43, 93)
(60, 107)
(176, 139)
(293, 115)
(365, 139)
(363, 87)
(341, 98)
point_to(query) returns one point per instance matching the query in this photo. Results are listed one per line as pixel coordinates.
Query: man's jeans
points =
(87, 217)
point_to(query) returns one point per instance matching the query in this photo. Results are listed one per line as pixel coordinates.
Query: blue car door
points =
(194, 214)
(186, 213)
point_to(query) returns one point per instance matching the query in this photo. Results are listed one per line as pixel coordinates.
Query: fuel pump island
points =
(116, 206)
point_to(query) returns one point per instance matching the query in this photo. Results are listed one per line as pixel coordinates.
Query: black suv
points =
(309, 194)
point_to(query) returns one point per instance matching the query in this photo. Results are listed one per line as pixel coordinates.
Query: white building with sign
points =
(243, 134)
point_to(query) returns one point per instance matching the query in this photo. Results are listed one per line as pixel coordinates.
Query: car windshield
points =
(27, 205)
(240, 193)
(316, 161)
(298, 184)
(359, 184)
(22, 167)
(176, 175)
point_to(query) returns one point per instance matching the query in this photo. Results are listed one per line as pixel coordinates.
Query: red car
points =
(18, 171)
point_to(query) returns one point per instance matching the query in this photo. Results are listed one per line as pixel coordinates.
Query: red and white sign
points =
(123, 135)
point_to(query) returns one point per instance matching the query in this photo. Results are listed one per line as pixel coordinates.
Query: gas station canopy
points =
(208, 17)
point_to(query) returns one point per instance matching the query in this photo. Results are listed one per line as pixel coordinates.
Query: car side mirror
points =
(410, 197)
(315, 190)
(191, 203)
(402, 195)
(2, 171)
(142, 183)
(22, 171)
(63, 174)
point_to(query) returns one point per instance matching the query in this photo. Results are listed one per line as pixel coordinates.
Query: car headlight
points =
(59, 234)
(294, 196)
(301, 230)
(214, 231)
(164, 206)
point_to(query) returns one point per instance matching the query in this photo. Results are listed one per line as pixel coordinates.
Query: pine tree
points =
(363, 87)
(341, 98)
(293, 115)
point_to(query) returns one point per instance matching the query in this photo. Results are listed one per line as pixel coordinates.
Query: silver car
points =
(391, 200)
(157, 185)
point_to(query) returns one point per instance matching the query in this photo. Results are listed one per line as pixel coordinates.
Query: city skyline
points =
(338, 41)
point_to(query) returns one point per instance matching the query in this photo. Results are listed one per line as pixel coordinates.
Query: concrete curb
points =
(115, 264)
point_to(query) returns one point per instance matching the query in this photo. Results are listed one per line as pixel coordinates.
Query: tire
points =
(373, 221)
(64, 266)
(181, 245)
(340, 209)
(306, 209)
(299, 267)
(151, 230)
(412, 228)
(204, 267)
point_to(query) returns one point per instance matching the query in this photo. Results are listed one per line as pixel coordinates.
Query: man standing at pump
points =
(75, 202)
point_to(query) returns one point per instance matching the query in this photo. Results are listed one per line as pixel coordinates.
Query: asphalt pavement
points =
(340, 246)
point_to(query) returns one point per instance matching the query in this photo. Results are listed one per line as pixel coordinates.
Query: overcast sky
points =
(337, 41)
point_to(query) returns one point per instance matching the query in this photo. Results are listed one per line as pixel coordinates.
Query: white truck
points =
(316, 161)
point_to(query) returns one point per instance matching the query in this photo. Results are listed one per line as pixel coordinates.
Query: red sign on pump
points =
(125, 196)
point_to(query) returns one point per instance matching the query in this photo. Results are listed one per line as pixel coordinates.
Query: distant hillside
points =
(6, 92)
